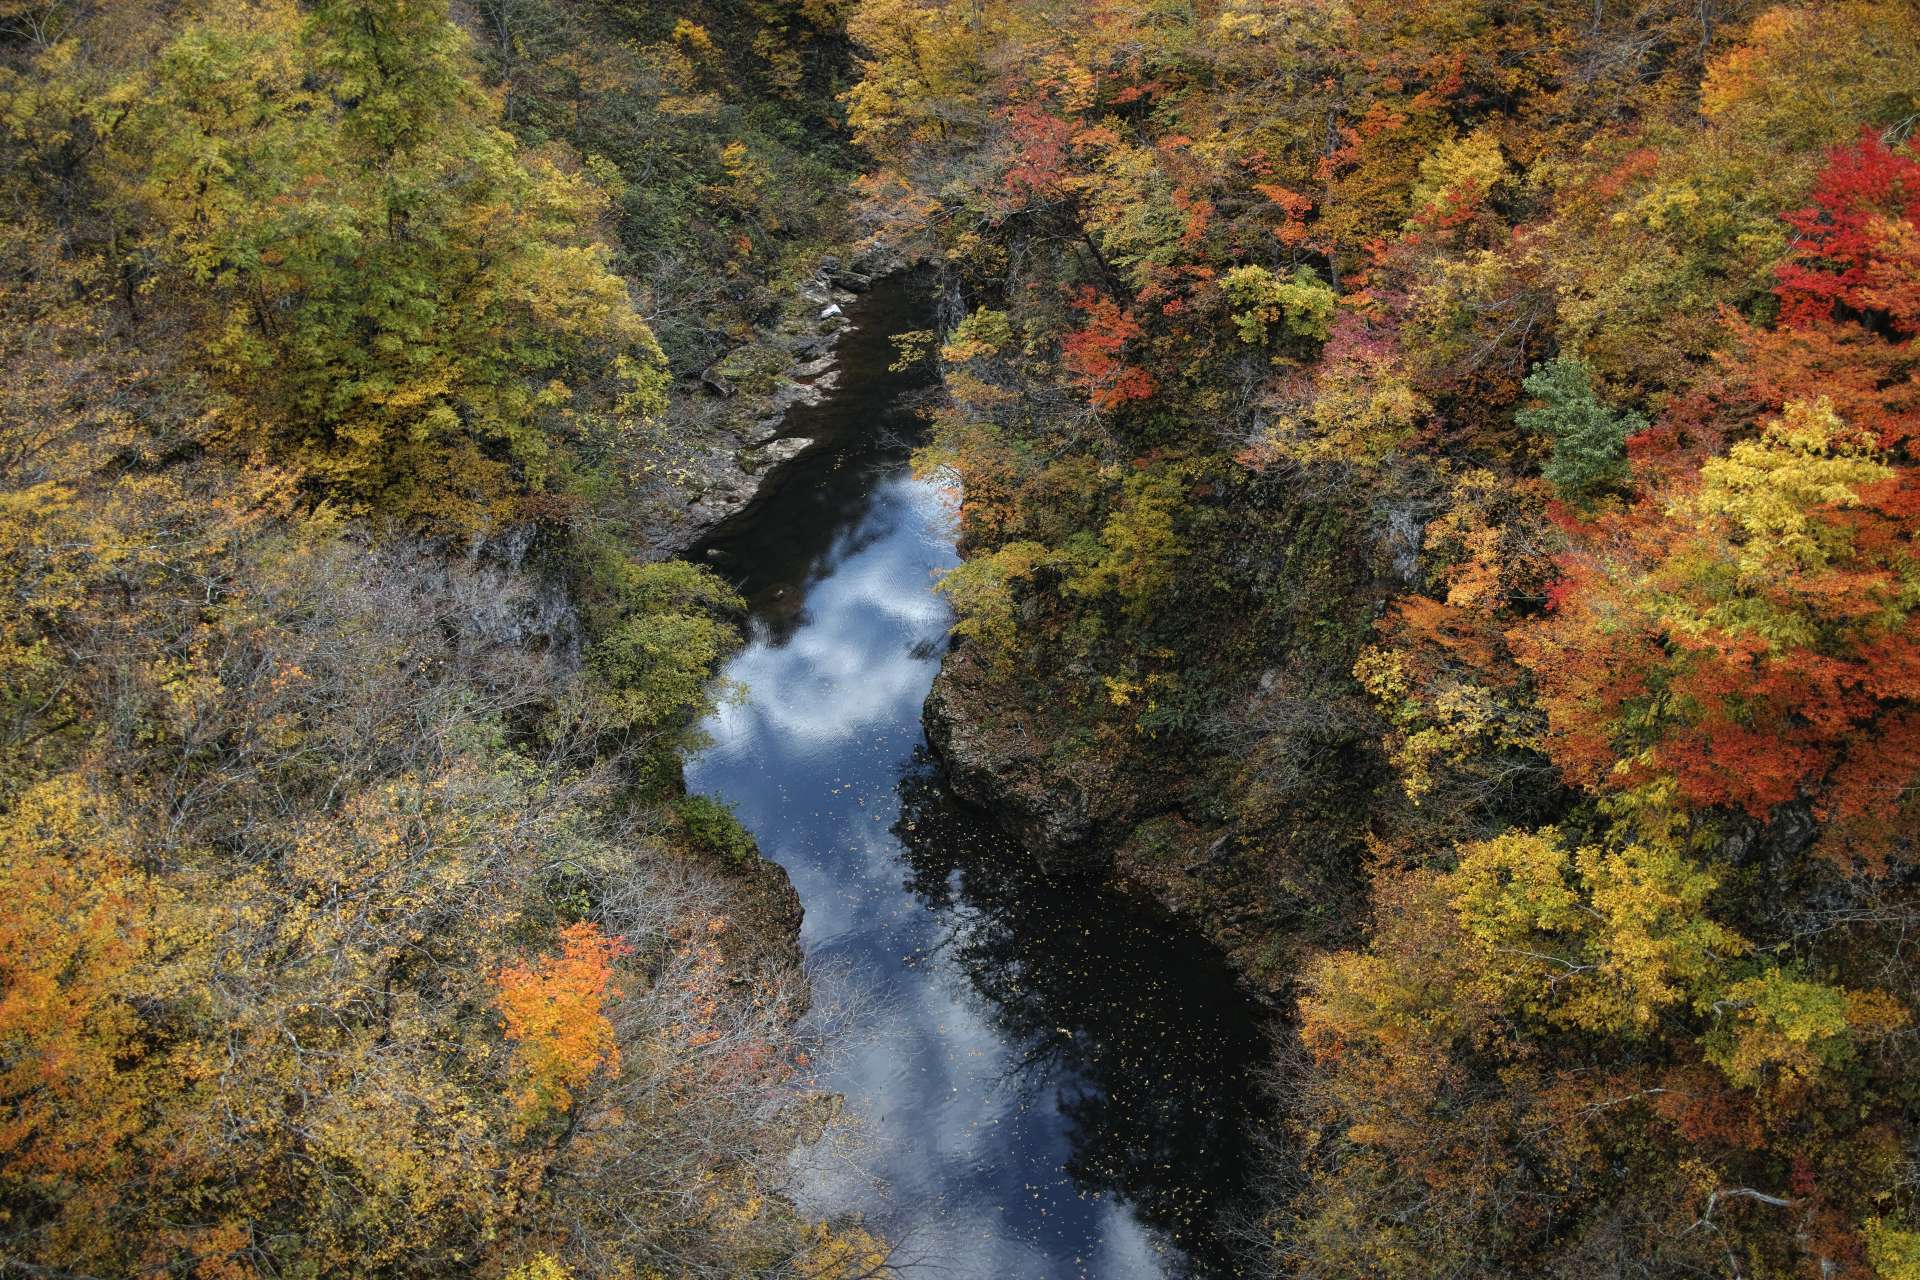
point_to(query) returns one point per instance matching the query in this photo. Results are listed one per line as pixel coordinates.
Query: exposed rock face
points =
(495, 598)
(1000, 765)
(1399, 532)
(769, 909)
(506, 600)
(759, 459)
(1253, 828)
(731, 419)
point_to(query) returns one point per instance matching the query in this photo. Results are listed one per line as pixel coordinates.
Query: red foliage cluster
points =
(1092, 353)
(1652, 665)
(1037, 142)
(1859, 249)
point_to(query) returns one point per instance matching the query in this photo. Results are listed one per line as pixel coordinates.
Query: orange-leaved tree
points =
(554, 1010)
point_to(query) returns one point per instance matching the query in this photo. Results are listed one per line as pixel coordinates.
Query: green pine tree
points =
(1589, 439)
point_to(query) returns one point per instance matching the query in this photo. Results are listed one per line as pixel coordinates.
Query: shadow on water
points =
(863, 432)
(1134, 1022)
(1054, 1078)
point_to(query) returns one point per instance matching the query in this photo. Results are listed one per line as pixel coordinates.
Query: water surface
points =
(1053, 1079)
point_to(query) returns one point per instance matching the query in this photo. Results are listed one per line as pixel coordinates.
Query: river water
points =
(1052, 1079)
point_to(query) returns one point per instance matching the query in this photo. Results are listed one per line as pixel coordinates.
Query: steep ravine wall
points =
(510, 591)
(1258, 874)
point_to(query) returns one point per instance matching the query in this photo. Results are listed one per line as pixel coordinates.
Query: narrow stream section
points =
(1053, 1079)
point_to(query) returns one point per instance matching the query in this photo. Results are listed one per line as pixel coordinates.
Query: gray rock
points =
(1400, 535)
(495, 595)
(771, 454)
(725, 432)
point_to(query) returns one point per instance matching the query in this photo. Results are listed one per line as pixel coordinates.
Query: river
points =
(1053, 1079)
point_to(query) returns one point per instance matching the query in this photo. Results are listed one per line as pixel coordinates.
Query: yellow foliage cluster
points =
(281, 819)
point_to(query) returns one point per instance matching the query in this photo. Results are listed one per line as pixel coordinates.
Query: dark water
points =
(1053, 1079)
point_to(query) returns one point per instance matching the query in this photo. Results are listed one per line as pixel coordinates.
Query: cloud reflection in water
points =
(1053, 1079)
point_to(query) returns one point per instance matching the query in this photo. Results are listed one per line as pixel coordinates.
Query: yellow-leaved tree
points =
(414, 304)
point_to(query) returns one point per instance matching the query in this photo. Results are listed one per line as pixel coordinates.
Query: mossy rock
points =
(754, 369)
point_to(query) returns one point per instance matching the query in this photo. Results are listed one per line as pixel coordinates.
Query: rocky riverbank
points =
(730, 426)
(1066, 811)
(1255, 849)
(1116, 820)
(729, 429)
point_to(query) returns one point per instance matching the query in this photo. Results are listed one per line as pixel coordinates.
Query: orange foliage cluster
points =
(1092, 353)
(555, 1011)
(1754, 634)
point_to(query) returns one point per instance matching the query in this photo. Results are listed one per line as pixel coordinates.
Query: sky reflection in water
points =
(1053, 1079)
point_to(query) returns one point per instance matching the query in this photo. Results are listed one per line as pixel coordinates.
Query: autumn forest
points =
(1436, 491)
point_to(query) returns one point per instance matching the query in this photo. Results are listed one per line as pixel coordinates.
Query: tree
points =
(1140, 550)
(1743, 646)
(75, 1076)
(1092, 354)
(1849, 307)
(660, 640)
(554, 1012)
(1783, 1031)
(292, 829)
(401, 290)
(1302, 307)
(1602, 940)
(1857, 251)
(1589, 439)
